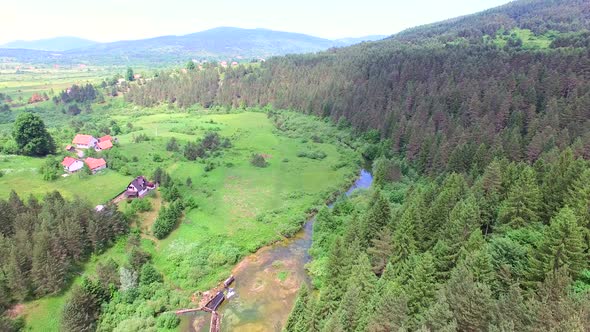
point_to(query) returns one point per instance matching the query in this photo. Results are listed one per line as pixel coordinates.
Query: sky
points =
(111, 20)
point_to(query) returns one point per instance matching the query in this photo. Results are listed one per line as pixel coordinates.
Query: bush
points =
(140, 138)
(172, 145)
(258, 160)
(312, 155)
(141, 205)
(209, 167)
(51, 169)
(157, 158)
(168, 320)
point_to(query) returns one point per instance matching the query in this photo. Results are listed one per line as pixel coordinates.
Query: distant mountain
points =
(356, 40)
(214, 44)
(57, 44)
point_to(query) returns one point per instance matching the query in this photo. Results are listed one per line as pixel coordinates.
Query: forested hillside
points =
(479, 220)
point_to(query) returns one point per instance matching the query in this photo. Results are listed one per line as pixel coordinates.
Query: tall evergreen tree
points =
(522, 206)
(562, 246)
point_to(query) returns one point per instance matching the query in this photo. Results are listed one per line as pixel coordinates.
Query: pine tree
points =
(299, 312)
(378, 216)
(404, 243)
(439, 316)
(391, 312)
(81, 311)
(562, 247)
(471, 302)
(578, 198)
(421, 286)
(453, 189)
(380, 250)
(522, 205)
(558, 181)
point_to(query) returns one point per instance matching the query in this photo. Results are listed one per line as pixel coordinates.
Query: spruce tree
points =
(471, 302)
(299, 312)
(421, 286)
(380, 250)
(523, 203)
(562, 247)
(391, 312)
(378, 216)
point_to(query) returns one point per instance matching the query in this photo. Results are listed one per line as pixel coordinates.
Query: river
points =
(267, 282)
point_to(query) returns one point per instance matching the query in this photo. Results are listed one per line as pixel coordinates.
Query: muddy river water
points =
(266, 283)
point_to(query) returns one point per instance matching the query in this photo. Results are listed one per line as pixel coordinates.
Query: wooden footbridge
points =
(212, 306)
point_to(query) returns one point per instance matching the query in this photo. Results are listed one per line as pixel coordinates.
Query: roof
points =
(68, 161)
(105, 145)
(140, 183)
(94, 163)
(82, 139)
(105, 138)
(68, 147)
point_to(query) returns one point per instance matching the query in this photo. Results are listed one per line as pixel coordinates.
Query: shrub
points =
(312, 154)
(172, 145)
(157, 158)
(140, 138)
(168, 320)
(141, 205)
(209, 167)
(51, 169)
(258, 160)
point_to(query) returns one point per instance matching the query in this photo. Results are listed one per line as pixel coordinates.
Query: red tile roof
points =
(68, 161)
(105, 138)
(94, 163)
(105, 145)
(82, 139)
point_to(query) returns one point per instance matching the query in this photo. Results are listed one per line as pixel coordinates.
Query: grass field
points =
(21, 174)
(240, 207)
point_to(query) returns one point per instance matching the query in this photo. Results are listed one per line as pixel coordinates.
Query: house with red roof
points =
(84, 141)
(104, 145)
(95, 165)
(72, 165)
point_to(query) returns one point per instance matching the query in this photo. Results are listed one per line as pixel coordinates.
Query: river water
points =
(267, 282)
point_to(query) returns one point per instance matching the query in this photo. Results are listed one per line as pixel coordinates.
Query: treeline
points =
(43, 242)
(507, 251)
(435, 103)
(77, 94)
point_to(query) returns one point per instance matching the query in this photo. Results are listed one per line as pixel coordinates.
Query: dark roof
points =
(216, 301)
(140, 183)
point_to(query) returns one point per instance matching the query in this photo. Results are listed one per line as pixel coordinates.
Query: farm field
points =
(239, 207)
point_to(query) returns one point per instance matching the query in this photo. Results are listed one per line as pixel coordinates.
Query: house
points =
(70, 148)
(95, 165)
(234, 64)
(84, 141)
(104, 145)
(139, 187)
(72, 165)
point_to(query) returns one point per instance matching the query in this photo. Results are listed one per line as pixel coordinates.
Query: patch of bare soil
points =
(16, 310)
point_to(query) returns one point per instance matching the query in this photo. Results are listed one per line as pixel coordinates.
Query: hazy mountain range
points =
(218, 43)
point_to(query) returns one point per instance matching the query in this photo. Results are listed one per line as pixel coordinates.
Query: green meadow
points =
(239, 207)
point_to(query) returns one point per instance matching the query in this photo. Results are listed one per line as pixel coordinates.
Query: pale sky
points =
(111, 20)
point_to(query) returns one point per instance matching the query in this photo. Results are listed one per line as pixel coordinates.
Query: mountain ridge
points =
(216, 43)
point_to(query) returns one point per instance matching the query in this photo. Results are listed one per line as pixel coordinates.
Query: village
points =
(137, 188)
